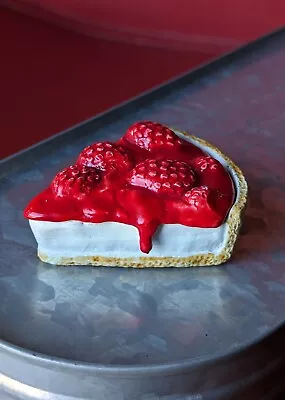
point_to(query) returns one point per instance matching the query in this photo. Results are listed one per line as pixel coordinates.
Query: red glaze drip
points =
(149, 177)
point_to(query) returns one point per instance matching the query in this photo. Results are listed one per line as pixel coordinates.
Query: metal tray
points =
(111, 333)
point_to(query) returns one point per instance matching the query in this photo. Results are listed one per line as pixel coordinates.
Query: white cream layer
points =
(112, 239)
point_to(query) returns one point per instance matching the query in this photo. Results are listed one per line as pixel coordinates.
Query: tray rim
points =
(111, 115)
(169, 368)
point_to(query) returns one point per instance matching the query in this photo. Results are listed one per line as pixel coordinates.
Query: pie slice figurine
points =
(157, 197)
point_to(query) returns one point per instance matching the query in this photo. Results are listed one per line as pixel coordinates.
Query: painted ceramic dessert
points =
(155, 198)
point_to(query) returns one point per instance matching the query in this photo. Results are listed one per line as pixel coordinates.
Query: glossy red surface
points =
(145, 179)
(63, 75)
(182, 24)
(66, 77)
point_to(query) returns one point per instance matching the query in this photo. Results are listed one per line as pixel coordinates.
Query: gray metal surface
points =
(126, 321)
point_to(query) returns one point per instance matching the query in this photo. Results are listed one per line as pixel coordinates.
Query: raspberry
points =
(200, 197)
(105, 156)
(76, 181)
(212, 174)
(207, 163)
(152, 136)
(167, 177)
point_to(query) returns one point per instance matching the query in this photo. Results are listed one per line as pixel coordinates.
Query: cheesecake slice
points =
(155, 198)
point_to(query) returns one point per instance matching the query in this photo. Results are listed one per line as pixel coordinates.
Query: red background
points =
(53, 77)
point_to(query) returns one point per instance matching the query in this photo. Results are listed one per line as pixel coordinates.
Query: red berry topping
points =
(105, 156)
(212, 174)
(207, 163)
(75, 181)
(200, 196)
(152, 136)
(163, 176)
(203, 202)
